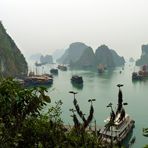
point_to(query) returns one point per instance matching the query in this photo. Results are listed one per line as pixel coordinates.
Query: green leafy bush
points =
(23, 125)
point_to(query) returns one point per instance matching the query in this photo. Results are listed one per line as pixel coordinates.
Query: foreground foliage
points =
(23, 125)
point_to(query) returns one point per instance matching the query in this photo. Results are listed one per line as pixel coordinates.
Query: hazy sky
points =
(46, 25)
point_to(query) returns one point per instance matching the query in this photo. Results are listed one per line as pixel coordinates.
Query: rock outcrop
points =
(12, 61)
(108, 57)
(104, 56)
(58, 53)
(144, 56)
(73, 53)
(79, 55)
(46, 59)
(87, 60)
(131, 60)
(118, 60)
(35, 57)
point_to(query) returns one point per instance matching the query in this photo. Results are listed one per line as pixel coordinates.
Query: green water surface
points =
(103, 88)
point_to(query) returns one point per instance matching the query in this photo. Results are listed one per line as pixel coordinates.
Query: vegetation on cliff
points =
(12, 61)
(23, 124)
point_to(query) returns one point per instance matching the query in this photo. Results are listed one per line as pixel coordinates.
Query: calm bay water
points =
(103, 88)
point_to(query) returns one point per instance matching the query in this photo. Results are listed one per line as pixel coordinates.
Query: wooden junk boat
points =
(62, 67)
(40, 64)
(118, 125)
(101, 68)
(77, 79)
(54, 71)
(37, 80)
(141, 74)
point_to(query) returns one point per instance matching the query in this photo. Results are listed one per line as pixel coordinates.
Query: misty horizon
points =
(45, 26)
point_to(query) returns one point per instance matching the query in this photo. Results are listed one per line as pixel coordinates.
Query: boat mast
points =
(120, 99)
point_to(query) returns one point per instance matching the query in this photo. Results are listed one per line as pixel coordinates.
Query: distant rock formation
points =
(118, 60)
(46, 59)
(12, 61)
(58, 53)
(35, 57)
(79, 55)
(108, 57)
(144, 56)
(73, 53)
(104, 56)
(87, 60)
(131, 60)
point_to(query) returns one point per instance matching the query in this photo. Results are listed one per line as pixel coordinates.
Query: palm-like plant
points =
(85, 121)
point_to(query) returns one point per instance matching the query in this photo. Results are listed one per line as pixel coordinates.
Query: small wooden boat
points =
(48, 75)
(101, 68)
(62, 67)
(40, 64)
(77, 79)
(54, 71)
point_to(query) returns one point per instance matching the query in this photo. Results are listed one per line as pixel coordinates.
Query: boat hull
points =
(37, 81)
(118, 137)
(77, 80)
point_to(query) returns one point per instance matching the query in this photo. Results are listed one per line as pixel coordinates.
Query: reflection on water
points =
(127, 141)
(77, 86)
(107, 74)
(38, 85)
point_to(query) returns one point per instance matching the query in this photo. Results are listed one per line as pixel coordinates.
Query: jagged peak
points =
(103, 46)
(77, 45)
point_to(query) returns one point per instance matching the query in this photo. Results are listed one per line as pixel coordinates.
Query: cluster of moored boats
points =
(38, 80)
(117, 125)
(141, 74)
(47, 79)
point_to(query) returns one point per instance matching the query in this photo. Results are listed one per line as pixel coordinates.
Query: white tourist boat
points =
(118, 125)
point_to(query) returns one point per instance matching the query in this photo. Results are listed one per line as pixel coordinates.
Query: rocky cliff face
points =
(104, 56)
(12, 62)
(87, 60)
(108, 57)
(118, 60)
(144, 56)
(73, 53)
(79, 55)
(58, 53)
